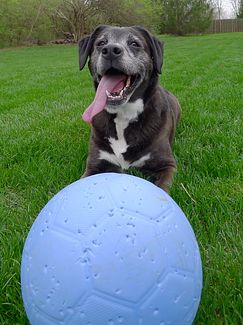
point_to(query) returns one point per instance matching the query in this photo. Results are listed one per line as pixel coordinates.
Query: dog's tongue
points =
(112, 84)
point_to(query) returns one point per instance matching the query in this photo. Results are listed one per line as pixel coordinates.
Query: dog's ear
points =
(86, 45)
(156, 47)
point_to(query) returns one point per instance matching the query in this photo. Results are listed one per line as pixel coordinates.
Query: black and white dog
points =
(133, 119)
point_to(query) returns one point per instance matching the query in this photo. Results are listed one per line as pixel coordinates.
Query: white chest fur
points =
(126, 114)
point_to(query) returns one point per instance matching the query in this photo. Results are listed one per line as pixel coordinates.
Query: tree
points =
(131, 12)
(240, 12)
(181, 17)
(235, 4)
(24, 21)
(79, 17)
(76, 16)
(218, 7)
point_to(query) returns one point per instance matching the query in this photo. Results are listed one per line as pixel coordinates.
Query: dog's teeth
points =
(108, 93)
(128, 81)
(115, 96)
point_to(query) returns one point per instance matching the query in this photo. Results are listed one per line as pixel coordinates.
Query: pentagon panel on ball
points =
(111, 249)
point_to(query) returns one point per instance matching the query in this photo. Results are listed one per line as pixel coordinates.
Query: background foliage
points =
(38, 21)
(184, 17)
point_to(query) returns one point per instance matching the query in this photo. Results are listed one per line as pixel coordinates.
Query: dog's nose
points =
(112, 51)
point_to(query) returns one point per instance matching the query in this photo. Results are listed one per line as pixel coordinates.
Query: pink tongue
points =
(112, 84)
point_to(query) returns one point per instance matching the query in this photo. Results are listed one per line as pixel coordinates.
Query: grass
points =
(43, 145)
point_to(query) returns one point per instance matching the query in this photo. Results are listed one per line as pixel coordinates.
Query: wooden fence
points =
(226, 25)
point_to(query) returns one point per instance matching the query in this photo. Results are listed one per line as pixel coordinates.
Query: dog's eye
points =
(101, 43)
(135, 44)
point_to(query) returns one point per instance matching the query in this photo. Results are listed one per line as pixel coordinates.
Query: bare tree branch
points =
(235, 4)
(39, 10)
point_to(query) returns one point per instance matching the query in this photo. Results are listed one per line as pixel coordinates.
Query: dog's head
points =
(123, 59)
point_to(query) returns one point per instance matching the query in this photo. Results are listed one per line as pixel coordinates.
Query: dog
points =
(133, 119)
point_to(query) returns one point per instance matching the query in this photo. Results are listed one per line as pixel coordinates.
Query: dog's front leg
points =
(165, 177)
(160, 171)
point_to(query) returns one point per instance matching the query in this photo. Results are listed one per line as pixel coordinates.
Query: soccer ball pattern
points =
(111, 249)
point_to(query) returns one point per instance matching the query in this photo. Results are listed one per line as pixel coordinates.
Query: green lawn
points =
(43, 147)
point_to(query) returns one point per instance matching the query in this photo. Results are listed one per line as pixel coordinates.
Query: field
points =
(43, 147)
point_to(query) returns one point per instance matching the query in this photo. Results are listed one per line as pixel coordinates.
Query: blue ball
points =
(111, 249)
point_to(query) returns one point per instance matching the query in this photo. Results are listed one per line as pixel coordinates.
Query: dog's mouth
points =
(114, 89)
(121, 87)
